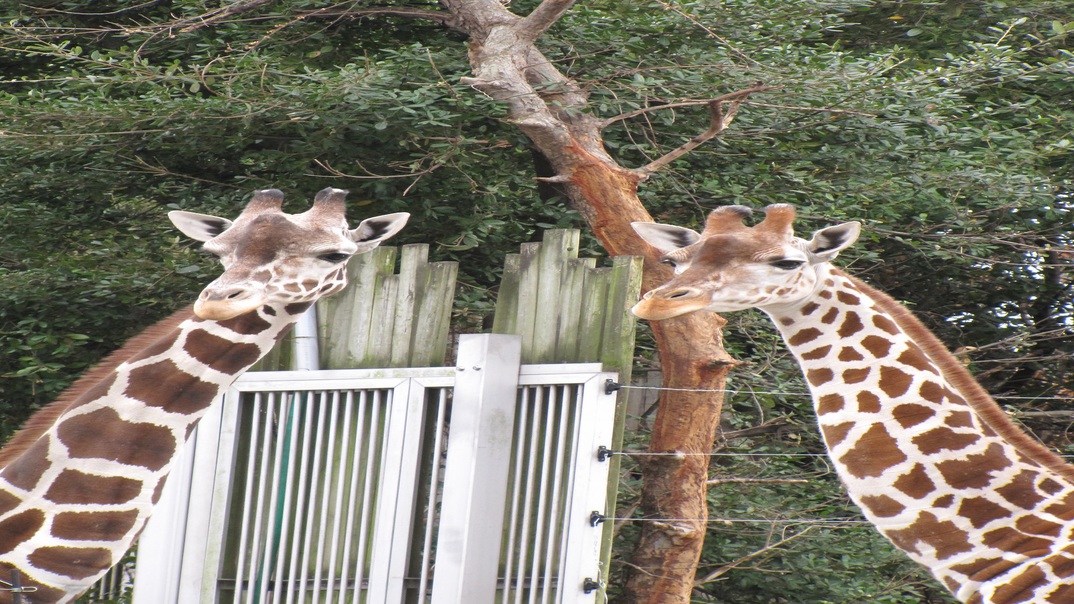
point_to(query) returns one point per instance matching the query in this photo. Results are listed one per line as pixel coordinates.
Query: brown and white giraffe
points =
(931, 460)
(80, 480)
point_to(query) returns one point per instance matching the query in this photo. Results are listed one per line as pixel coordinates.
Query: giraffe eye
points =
(669, 262)
(334, 258)
(787, 264)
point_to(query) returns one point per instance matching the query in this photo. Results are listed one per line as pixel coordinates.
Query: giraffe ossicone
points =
(921, 447)
(79, 481)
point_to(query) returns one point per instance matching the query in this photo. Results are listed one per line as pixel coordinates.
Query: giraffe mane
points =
(979, 400)
(44, 418)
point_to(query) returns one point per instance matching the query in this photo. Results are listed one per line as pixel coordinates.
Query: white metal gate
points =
(470, 484)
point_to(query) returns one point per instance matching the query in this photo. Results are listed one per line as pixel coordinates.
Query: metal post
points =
(476, 469)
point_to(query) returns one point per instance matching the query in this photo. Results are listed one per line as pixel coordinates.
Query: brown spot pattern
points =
(297, 308)
(72, 486)
(875, 452)
(848, 353)
(74, 562)
(19, 528)
(868, 402)
(247, 324)
(894, 382)
(912, 414)
(188, 393)
(885, 324)
(876, 346)
(28, 468)
(807, 309)
(102, 434)
(819, 376)
(833, 435)
(93, 526)
(915, 483)
(944, 439)
(829, 317)
(220, 354)
(855, 376)
(806, 335)
(980, 511)
(816, 354)
(1021, 491)
(915, 358)
(829, 403)
(1019, 588)
(851, 325)
(882, 505)
(847, 298)
(943, 536)
(975, 471)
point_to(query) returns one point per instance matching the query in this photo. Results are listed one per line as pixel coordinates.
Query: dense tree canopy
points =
(944, 127)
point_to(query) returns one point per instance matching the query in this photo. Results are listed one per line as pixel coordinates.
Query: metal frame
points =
(513, 464)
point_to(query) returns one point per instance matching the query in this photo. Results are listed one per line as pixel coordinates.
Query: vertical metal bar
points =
(337, 518)
(316, 479)
(301, 494)
(367, 492)
(248, 492)
(434, 481)
(516, 490)
(326, 501)
(542, 498)
(527, 494)
(572, 517)
(352, 498)
(282, 579)
(560, 455)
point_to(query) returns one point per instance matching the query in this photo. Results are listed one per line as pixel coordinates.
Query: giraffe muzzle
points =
(662, 303)
(222, 304)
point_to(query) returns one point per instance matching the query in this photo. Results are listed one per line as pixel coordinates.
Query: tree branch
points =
(720, 121)
(533, 25)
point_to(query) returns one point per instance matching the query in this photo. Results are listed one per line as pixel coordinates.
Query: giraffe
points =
(920, 446)
(79, 481)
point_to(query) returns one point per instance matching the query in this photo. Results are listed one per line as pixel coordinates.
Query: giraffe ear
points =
(199, 227)
(828, 242)
(665, 237)
(378, 228)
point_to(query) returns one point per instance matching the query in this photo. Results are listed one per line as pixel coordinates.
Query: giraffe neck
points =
(948, 479)
(74, 501)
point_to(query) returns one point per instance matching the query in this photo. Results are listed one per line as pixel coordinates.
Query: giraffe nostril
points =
(234, 295)
(682, 293)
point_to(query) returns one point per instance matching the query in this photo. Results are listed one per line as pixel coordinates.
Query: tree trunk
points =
(509, 68)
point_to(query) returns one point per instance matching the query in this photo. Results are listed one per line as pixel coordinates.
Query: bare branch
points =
(733, 480)
(546, 14)
(725, 568)
(720, 122)
(223, 13)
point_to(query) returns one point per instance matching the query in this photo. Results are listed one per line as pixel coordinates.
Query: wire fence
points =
(855, 521)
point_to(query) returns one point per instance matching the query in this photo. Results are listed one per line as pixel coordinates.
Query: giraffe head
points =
(730, 266)
(275, 259)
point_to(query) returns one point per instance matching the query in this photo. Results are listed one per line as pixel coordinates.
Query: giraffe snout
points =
(665, 303)
(219, 303)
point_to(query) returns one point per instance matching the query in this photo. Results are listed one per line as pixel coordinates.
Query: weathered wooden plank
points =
(505, 319)
(569, 336)
(558, 247)
(528, 287)
(428, 347)
(344, 319)
(413, 264)
(591, 325)
(618, 341)
(378, 346)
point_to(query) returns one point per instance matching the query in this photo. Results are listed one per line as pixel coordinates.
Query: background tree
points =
(945, 127)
